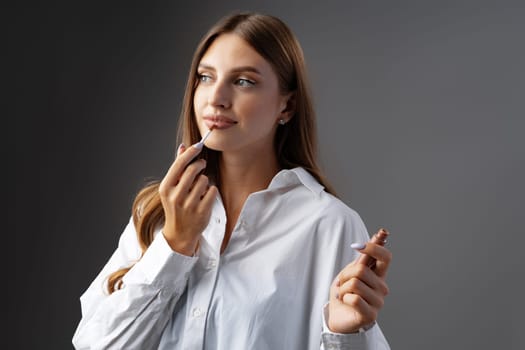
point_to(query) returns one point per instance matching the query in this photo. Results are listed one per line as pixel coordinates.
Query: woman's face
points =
(238, 94)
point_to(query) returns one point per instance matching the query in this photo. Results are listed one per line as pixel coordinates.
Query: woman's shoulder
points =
(327, 205)
(334, 208)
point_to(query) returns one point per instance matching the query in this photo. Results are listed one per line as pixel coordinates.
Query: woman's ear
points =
(288, 106)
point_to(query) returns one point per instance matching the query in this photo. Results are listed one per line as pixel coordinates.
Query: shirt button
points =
(197, 312)
(212, 263)
(218, 220)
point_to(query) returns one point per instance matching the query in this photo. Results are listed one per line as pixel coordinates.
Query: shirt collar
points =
(296, 176)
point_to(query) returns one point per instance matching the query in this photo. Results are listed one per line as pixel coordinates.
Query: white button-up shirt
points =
(267, 290)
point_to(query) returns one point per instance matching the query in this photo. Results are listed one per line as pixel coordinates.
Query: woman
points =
(242, 245)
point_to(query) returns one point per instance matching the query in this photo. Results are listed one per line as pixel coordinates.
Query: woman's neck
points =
(243, 175)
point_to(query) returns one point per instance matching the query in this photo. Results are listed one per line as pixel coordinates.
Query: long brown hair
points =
(295, 142)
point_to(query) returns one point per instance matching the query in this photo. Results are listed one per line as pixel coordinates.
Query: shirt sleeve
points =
(134, 316)
(351, 228)
(371, 339)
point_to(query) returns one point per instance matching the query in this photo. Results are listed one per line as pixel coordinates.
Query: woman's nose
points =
(220, 96)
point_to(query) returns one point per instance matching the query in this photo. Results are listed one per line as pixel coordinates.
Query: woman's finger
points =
(381, 254)
(197, 191)
(366, 313)
(187, 179)
(356, 286)
(365, 275)
(207, 200)
(177, 168)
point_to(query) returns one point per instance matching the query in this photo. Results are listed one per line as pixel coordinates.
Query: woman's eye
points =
(203, 78)
(245, 82)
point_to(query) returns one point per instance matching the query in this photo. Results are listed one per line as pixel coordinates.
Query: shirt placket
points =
(202, 283)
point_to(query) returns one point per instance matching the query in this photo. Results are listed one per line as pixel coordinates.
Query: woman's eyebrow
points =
(234, 70)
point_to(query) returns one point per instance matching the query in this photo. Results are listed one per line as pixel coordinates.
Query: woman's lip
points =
(219, 123)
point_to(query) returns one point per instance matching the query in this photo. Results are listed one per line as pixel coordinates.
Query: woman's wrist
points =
(188, 248)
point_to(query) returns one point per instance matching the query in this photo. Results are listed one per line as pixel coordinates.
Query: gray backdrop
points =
(420, 113)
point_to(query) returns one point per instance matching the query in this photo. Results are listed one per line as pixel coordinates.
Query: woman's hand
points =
(357, 293)
(187, 200)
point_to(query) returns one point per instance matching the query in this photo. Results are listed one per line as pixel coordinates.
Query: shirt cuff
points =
(160, 265)
(357, 340)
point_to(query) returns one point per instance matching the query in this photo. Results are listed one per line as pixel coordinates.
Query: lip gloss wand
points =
(200, 144)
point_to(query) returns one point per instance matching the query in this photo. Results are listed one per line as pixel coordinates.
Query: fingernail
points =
(180, 148)
(199, 145)
(358, 246)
